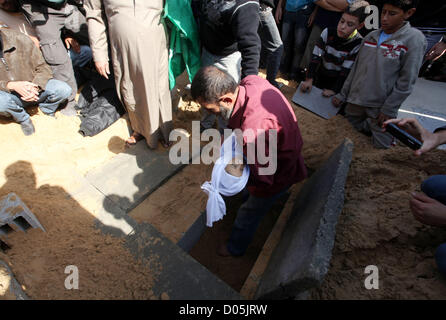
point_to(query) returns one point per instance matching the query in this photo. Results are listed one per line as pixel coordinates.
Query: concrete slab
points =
(251, 284)
(315, 102)
(179, 275)
(109, 217)
(15, 215)
(427, 95)
(131, 176)
(302, 257)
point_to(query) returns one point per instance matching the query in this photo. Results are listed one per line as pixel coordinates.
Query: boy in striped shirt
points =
(335, 52)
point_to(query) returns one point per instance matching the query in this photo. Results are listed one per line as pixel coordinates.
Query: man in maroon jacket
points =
(254, 106)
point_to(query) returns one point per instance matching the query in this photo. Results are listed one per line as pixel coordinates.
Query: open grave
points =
(298, 263)
(129, 178)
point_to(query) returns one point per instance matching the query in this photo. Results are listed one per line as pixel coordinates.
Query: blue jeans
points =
(272, 43)
(55, 93)
(82, 58)
(248, 218)
(294, 34)
(435, 188)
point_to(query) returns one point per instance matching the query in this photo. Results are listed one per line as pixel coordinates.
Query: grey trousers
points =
(232, 65)
(365, 119)
(272, 43)
(48, 23)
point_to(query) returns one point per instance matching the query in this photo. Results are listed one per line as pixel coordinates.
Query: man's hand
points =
(414, 128)
(103, 68)
(306, 85)
(28, 91)
(312, 16)
(328, 93)
(437, 51)
(73, 44)
(427, 210)
(336, 102)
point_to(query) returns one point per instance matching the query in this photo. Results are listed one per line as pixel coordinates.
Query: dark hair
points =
(405, 5)
(210, 83)
(358, 9)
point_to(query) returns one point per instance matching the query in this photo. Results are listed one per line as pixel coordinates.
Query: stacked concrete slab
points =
(302, 257)
(15, 215)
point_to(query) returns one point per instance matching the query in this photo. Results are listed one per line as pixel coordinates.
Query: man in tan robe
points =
(140, 62)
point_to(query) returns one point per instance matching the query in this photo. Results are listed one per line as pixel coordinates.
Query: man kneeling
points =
(26, 80)
(254, 106)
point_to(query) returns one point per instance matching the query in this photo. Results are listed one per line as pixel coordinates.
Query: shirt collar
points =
(354, 33)
(405, 26)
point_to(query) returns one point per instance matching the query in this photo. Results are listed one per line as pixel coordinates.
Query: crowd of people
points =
(49, 48)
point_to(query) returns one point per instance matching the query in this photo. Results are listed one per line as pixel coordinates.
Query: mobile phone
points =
(403, 136)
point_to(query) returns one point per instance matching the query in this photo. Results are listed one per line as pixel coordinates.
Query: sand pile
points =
(40, 170)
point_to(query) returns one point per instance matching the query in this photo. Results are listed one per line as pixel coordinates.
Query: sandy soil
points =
(375, 227)
(40, 170)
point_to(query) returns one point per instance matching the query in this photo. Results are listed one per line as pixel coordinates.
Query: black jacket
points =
(99, 104)
(227, 26)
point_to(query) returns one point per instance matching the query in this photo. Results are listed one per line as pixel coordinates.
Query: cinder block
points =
(302, 257)
(15, 215)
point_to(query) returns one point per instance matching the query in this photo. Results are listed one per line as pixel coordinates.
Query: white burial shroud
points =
(222, 182)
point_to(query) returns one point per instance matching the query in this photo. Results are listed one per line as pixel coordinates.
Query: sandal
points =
(133, 139)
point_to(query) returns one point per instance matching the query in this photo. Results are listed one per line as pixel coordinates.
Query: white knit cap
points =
(222, 182)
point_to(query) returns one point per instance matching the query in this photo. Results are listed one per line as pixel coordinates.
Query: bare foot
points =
(223, 251)
(134, 138)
